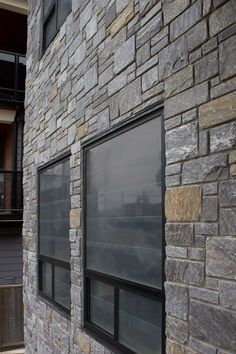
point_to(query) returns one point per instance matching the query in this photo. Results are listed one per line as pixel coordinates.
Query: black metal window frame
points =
(41, 258)
(53, 9)
(111, 341)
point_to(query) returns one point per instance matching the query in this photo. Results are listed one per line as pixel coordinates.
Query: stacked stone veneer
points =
(110, 60)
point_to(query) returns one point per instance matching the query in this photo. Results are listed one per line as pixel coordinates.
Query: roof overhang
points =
(19, 6)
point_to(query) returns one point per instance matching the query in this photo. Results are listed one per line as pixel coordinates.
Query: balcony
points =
(10, 196)
(12, 77)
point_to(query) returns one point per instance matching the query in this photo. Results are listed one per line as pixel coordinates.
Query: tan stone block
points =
(232, 156)
(82, 131)
(75, 218)
(178, 82)
(183, 203)
(125, 16)
(218, 111)
(233, 169)
(52, 94)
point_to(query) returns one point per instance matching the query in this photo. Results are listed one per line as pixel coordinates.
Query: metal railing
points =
(11, 193)
(12, 77)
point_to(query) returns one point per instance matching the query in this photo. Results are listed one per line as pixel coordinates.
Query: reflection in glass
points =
(54, 211)
(47, 278)
(140, 323)
(62, 286)
(124, 205)
(50, 29)
(64, 8)
(102, 305)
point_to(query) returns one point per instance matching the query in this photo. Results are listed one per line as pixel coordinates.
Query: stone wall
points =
(111, 59)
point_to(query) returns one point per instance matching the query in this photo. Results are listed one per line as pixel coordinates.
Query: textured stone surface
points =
(228, 222)
(222, 18)
(183, 203)
(172, 8)
(124, 55)
(204, 295)
(209, 208)
(75, 218)
(197, 35)
(227, 57)
(206, 67)
(218, 111)
(228, 294)
(204, 325)
(176, 300)
(203, 169)
(227, 194)
(125, 16)
(176, 329)
(186, 100)
(149, 30)
(220, 257)
(130, 96)
(150, 78)
(178, 82)
(179, 234)
(201, 347)
(186, 272)
(181, 143)
(223, 137)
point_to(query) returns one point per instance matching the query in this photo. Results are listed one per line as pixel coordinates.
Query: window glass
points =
(47, 4)
(124, 205)
(47, 278)
(54, 212)
(62, 286)
(50, 29)
(64, 8)
(140, 323)
(102, 305)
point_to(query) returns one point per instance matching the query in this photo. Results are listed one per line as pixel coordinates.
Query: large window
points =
(123, 226)
(54, 245)
(54, 14)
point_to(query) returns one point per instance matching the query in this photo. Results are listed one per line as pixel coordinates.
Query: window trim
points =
(111, 341)
(41, 258)
(53, 9)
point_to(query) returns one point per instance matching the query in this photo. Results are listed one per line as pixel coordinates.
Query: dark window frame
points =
(42, 258)
(53, 9)
(111, 341)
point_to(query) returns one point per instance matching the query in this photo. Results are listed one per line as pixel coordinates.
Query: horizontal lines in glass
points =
(117, 246)
(131, 218)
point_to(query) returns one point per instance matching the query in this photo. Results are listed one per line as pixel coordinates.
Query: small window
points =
(123, 229)
(55, 13)
(54, 245)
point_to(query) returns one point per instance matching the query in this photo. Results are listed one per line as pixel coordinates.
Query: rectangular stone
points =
(91, 78)
(228, 294)
(177, 329)
(222, 18)
(172, 9)
(223, 137)
(220, 257)
(201, 347)
(209, 208)
(197, 35)
(209, 168)
(178, 82)
(218, 111)
(172, 122)
(210, 188)
(122, 19)
(223, 88)
(206, 67)
(176, 252)
(150, 78)
(176, 300)
(179, 234)
(124, 55)
(130, 96)
(173, 169)
(207, 229)
(182, 143)
(183, 203)
(227, 51)
(149, 30)
(204, 325)
(186, 100)
(227, 194)
(228, 222)
(185, 272)
(185, 21)
(117, 83)
(204, 295)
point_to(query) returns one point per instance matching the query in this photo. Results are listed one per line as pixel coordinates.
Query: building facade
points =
(129, 177)
(12, 90)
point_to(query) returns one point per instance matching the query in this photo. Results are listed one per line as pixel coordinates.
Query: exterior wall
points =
(110, 60)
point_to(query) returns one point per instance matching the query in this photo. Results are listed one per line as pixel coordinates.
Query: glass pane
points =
(50, 29)
(102, 305)
(47, 278)
(7, 75)
(124, 205)
(62, 287)
(140, 323)
(54, 211)
(47, 5)
(22, 73)
(64, 8)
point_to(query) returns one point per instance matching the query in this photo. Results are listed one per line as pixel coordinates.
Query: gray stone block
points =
(227, 51)
(178, 82)
(177, 329)
(228, 222)
(201, 347)
(220, 257)
(130, 96)
(124, 55)
(176, 300)
(204, 169)
(222, 18)
(150, 78)
(143, 54)
(179, 234)
(149, 30)
(172, 8)
(185, 272)
(228, 294)
(206, 67)
(91, 78)
(182, 142)
(210, 229)
(176, 252)
(204, 295)
(197, 35)
(204, 325)
(227, 194)
(209, 208)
